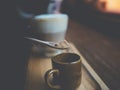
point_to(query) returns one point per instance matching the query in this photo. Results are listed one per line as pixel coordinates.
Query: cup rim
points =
(78, 59)
(49, 16)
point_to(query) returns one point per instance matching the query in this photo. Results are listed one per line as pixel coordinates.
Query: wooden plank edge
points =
(89, 68)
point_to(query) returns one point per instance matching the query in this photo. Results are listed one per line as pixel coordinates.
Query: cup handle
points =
(48, 74)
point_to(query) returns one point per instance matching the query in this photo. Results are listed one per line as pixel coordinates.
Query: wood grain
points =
(37, 67)
(100, 47)
(90, 70)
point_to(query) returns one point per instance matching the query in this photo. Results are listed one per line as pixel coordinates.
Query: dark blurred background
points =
(15, 50)
(94, 13)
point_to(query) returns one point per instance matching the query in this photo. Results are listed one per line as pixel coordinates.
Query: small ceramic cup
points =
(66, 72)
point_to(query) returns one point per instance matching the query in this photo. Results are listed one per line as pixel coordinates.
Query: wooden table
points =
(37, 67)
(100, 46)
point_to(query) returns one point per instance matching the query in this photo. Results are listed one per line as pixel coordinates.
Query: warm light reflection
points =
(113, 6)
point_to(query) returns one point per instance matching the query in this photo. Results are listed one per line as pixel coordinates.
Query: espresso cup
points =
(49, 27)
(66, 72)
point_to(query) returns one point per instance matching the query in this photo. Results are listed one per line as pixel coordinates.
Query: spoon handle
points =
(50, 44)
(37, 40)
(54, 6)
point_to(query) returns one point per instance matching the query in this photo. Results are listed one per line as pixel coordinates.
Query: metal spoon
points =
(60, 45)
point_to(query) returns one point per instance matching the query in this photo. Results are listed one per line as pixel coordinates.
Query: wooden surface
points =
(90, 71)
(100, 46)
(37, 66)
